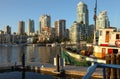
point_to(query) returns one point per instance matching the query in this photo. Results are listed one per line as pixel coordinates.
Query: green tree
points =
(90, 39)
(35, 39)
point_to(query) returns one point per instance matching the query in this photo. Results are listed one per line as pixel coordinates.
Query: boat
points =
(52, 44)
(74, 58)
(108, 40)
(75, 55)
(108, 43)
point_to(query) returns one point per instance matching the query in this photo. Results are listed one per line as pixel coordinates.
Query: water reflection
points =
(32, 54)
(20, 52)
(5, 55)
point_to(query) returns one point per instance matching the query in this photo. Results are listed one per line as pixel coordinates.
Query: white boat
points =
(54, 44)
(108, 43)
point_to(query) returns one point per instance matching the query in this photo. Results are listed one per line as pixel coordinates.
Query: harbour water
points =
(26, 75)
(40, 54)
(31, 75)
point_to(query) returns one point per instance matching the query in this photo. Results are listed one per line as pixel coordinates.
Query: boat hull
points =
(102, 51)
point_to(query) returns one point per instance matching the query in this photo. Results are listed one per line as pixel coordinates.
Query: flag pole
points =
(95, 17)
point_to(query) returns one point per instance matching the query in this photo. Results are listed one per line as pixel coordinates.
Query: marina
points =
(38, 64)
(75, 72)
(84, 51)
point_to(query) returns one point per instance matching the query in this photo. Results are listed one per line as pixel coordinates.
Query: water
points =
(22, 75)
(39, 54)
(31, 75)
(32, 54)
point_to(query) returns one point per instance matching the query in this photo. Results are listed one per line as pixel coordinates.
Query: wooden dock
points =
(78, 71)
(69, 70)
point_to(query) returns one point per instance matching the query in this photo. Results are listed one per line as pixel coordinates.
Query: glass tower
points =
(82, 18)
(102, 20)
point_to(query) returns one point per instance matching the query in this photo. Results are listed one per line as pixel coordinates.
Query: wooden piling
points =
(113, 70)
(108, 57)
(57, 63)
(112, 73)
(118, 63)
(23, 60)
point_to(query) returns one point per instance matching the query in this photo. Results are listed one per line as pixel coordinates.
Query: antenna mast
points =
(95, 16)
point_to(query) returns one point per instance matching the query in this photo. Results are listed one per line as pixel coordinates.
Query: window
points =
(107, 36)
(115, 51)
(100, 32)
(117, 36)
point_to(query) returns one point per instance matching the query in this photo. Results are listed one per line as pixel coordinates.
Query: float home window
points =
(107, 38)
(115, 51)
(117, 36)
(112, 51)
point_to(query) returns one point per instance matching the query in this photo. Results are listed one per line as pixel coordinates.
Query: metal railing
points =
(92, 68)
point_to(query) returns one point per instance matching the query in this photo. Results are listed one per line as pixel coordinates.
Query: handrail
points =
(92, 68)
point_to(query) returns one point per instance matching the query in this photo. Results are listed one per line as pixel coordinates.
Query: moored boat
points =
(108, 43)
(73, 58)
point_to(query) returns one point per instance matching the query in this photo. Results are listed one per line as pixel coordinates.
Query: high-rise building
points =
(82, 13)
(82, 16)
(118, 29)
(30, 26)
(44, 23)
(60, 28)
(8, 29)
(74, 34)
(102, 20)
(67, 34)
(21, 27)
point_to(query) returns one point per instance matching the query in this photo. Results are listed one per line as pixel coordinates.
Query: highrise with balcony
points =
(102, 20)
(82, 17)
(30, 27)
(44, 23)
(60, 28)
(74, 34)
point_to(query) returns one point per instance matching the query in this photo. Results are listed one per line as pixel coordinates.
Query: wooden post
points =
(113, 71)
(107, 69)
(23, 74)
(104, 75)
(23, 60)
(57, 63)
(118, 63)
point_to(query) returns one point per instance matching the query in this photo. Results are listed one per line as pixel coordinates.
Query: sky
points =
(13, 11)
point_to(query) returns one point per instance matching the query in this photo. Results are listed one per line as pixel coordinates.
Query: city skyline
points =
(13, 11)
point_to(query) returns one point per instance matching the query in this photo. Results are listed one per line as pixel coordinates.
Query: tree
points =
(35, 39)
(90, 39)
